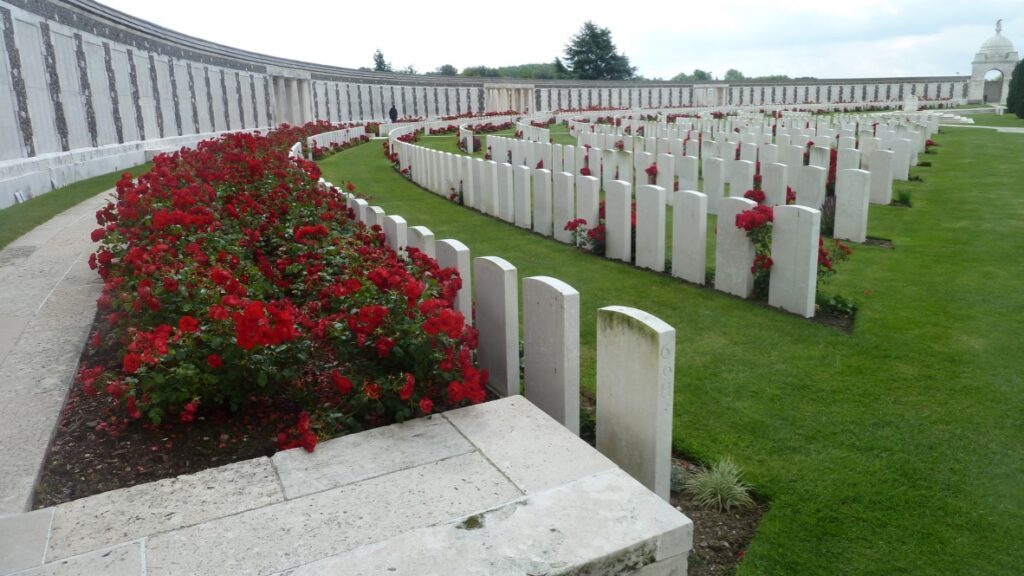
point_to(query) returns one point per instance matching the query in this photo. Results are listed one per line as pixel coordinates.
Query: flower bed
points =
(230, 276)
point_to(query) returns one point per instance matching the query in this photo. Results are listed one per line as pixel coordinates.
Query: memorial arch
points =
(997, 54)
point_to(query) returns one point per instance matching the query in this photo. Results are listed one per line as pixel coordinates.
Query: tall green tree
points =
(702, 76)
(446, 70)
(1015, 96)
(379, 63)
(591, 55)
(733, 75)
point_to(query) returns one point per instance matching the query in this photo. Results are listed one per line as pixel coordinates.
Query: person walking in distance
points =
(393, 113)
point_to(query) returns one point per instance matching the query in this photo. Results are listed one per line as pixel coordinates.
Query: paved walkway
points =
(494, 489)
(1005, 129)
(47, 303)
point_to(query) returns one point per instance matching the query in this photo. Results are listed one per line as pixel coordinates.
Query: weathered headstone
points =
(650, 227)
(852, 197)
(523, 202)
(734, 252)
(689, 236)
(618, 212)
(395, 233)
(810, 190)
(775, 178)
(551, 348)
(496, 291)
(713, 170)
(635, 391)
(542, 202)
(794, 275)
(881, 176)
(454, 254)
(563, 206)
(422, 239)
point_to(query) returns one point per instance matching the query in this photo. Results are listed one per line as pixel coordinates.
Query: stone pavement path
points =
(47, 304)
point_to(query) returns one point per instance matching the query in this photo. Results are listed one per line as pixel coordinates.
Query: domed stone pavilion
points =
(996, 54)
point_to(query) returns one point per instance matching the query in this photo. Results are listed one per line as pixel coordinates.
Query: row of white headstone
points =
(544, 201)
(635, 350)
(340, 137)
(533, 133)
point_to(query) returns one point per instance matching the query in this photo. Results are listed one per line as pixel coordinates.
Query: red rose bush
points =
(230, 275)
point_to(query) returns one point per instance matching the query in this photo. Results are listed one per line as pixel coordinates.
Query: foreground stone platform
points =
(494, 489)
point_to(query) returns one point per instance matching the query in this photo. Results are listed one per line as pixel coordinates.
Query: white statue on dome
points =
(999, 26)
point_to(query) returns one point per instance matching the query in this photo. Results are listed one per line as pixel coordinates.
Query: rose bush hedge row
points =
(229, 274)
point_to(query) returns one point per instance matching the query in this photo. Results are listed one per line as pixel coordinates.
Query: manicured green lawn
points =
(898, 449)
(21, 218)
(1007, 119)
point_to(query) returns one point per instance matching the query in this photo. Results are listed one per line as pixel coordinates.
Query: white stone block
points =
(666, 171)
(395, 233)
(569, 158)
(748, 152)
(481, 185)
(489, 190)
(853, 192)
(742, 178)
(810, 190)
(650, 227)
(588, 196)
(496, 291)
(505, 193)
(361, 207)
(713, 170)
(594, 162)
(689, 236)
(793, 158)
(375, 216)
(687, 170)
(794, 275)
(820, 156)
(422, 239)
(768, 154)
(468, 181)
(454, 254)
(734, 252)
(881, 176)
(542, 202)
(848, 159)
(775, 181)
(635, 391)
(521, 177)
(618, 214)
(901, 159)
(551, 348)
(564, 206)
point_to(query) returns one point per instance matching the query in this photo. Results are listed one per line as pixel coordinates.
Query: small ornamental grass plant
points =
(231, 275)
(720, 488)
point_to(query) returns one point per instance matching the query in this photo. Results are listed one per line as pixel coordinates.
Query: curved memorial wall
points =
(86, 90)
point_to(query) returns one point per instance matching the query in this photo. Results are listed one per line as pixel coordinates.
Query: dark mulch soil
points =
(719, 538)
(85, 459)
(841, 322)
(880, 242)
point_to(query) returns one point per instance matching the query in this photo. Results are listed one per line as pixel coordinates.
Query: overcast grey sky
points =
(821, 38)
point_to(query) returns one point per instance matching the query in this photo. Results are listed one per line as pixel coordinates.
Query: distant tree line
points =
(589, 55)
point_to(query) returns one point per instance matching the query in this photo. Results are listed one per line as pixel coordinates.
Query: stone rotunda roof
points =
(997, 47)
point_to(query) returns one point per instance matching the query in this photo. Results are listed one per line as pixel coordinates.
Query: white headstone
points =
(901, 159)
(794, 274)
(852, 196)
(505, 193)
(395, 233)
(810, 189)
(650, 227)
(742, 178)
(422, 239)
(454, 254)
(881, 176)
(563, 205)
(687, 171)
(666, 171)
(523, 201)
(542, 202)
(689, 236)
(635, 392)
(551, 348)
(618, 212)
(848, 159)
(734, 252)
(588, 197)
(496, 291)
(713, 170)
(775, 178)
